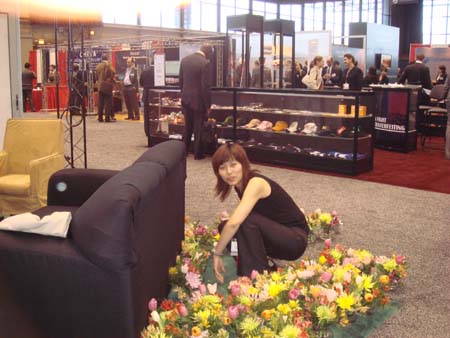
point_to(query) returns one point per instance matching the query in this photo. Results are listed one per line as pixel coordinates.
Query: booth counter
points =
(395, 117)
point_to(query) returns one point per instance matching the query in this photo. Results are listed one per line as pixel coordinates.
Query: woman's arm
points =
(256, 189)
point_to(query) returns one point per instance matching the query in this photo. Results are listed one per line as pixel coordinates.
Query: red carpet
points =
(425, 169)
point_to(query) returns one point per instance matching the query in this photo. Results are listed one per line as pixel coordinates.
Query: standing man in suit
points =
(419, 74)
(147, 81)
(353, 76)
(105, 73)
(195, 84)
(336, 74)
(27, 86)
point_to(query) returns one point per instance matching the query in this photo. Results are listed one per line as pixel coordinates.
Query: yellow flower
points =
(325, 218)
(290, 331)
(345, 301)
(252, 290)
(315, 290)
(276, 276)
(244, 300)
(203, 316)
(293, 304)
(390, 265)
(384, 279)
(173, 270)
(275, 289)
(368, 283)
(283, 308)
(249, 326)
(322, 259)
(226, 320)
(336, 254)
(217, 237)
(325, 313)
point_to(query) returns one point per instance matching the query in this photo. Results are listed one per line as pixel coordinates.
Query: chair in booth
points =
(434, 119)
(33, 150)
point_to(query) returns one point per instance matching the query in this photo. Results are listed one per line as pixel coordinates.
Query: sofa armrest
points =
(40, 171)
(3, 162)
(73, 187)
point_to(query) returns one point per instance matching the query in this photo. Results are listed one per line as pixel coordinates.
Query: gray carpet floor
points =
(381, 218)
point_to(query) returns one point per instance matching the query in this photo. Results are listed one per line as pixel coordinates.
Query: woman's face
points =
(231, 172)
(320, 63)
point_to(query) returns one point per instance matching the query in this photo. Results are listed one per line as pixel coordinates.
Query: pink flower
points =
(202, 289)
(233, 312)
(400, 259)
(235, 290)
(214, 232)
(334, 213)
(325, 277)
(193, 280)
(152, 304)
(182, 310)
(254, 274)
(294, 294)
(328, 243)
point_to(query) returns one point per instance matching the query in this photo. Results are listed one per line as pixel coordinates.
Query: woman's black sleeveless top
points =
(279, 207)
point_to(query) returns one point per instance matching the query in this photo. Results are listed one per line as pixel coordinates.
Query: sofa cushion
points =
(102, 228)
(17, 185)
(166, 153)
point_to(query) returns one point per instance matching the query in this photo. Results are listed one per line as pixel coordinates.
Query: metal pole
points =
(83, 94)
(57, 69)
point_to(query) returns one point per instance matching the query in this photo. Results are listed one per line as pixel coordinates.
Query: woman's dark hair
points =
(225, 153)
(372, 70)
(351, 57)
(443, 68)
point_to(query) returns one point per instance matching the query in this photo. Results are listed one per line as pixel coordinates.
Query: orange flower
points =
(266, 314)
(196, 331)
(368, 297)
(226, 320)
(384, 279)
(315, 291)
(385, 300)
(376, 292)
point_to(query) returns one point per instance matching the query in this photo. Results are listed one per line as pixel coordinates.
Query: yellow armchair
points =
(32, 151)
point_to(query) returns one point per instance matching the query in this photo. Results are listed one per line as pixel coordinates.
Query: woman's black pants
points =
(259, 237)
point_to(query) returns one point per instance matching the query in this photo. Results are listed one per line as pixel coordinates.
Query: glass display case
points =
(321, 130)
(279, 48)
(245, 41)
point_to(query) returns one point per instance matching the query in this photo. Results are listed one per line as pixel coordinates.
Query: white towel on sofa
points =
(56, 224)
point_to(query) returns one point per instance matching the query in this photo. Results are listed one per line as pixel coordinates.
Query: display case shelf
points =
(331, 134)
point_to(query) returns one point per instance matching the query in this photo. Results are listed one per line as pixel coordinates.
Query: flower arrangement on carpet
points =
(322, 225)
(301, 300)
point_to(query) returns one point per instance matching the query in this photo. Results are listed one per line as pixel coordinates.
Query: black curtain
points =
(407, 17)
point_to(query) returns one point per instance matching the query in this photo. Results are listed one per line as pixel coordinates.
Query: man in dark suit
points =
(147, 81)
(417, 73)
(27, 86)
(336, 74)
(326, 71)
(195, 84)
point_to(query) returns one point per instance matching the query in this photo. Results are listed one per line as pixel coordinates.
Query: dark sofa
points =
(125, 232)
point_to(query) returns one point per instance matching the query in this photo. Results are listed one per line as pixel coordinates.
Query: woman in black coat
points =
(353, 76)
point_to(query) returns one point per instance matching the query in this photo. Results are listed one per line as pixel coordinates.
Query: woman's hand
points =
(218, 268)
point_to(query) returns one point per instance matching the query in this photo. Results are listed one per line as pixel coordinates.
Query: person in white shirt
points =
(130, 90)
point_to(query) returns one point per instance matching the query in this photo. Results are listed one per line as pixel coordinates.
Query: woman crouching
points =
(266, 222)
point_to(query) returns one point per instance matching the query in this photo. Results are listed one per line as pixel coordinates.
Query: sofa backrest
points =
(104, 228)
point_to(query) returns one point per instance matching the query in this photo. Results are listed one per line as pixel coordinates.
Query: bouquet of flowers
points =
(323, 224)
(301, 300)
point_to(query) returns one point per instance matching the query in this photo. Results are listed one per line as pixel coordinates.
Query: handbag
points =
(106, 87)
